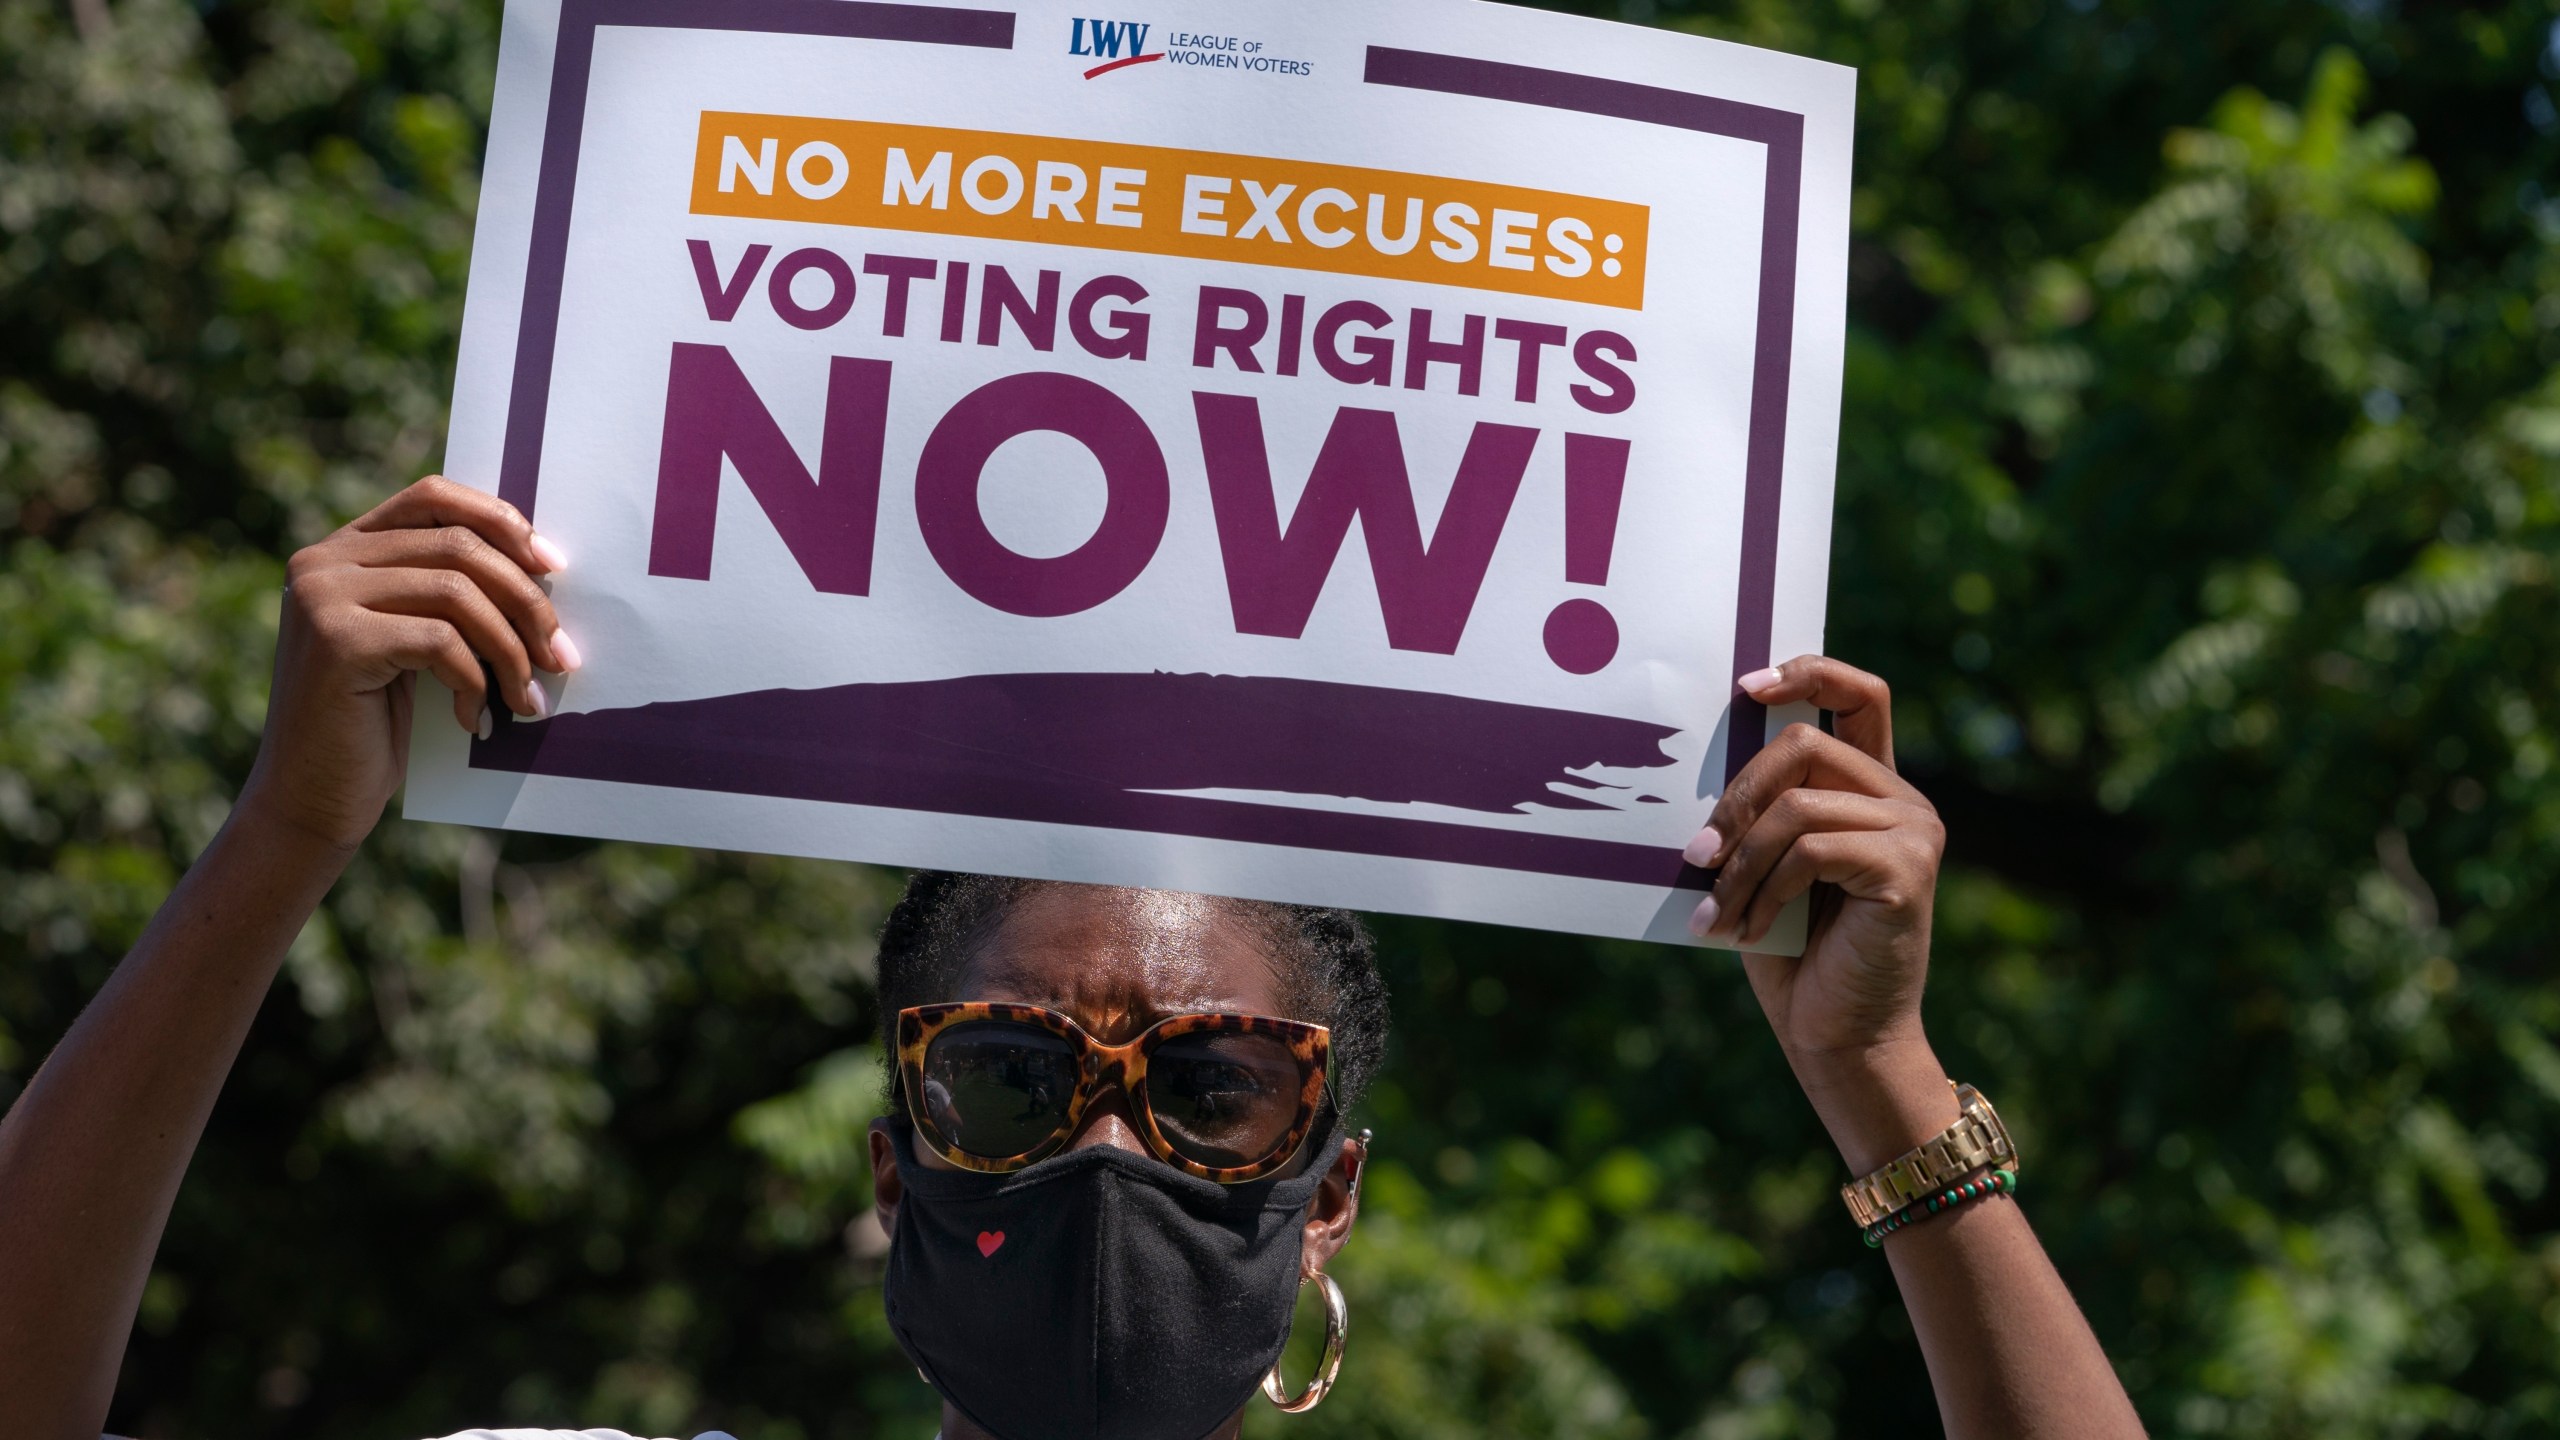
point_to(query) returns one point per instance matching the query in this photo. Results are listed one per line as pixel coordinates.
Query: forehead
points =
(1119, 960)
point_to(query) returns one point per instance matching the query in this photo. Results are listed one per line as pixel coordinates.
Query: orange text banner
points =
(1161, 201)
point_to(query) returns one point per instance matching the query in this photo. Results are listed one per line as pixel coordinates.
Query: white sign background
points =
(1678, 571)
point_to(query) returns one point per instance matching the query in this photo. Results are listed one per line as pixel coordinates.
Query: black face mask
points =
(1096, 1294)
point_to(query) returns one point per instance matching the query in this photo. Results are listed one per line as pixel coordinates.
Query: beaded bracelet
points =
(1998, 1182)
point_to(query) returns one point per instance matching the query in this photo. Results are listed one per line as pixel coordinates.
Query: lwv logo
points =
(1114, 42)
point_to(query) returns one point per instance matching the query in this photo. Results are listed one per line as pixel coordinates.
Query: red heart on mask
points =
(990, 1241)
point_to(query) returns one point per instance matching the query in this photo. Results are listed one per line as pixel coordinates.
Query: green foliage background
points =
(2200, 490)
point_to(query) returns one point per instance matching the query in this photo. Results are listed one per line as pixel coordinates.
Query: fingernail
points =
(565, 651)
(1703, 919)
(487, 725)
(1702, 850)
(535, 700)
(549, 554)
(1759, 680)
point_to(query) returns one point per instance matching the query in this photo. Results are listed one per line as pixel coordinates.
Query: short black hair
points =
(1327, 956)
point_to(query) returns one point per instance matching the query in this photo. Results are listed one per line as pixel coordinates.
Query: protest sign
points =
(1326, 451)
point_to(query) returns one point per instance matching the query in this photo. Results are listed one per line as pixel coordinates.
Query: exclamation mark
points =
(1581, 633)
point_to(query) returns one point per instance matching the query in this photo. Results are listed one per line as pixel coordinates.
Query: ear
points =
(887, 1188)
(1336, 1207)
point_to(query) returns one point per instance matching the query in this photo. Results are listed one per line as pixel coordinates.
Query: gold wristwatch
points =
(1977, 1141)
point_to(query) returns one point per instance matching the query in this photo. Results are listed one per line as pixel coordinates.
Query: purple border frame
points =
(1781, 131)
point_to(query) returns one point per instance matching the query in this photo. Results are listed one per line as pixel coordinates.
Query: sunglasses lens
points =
(996, 1088)
(1225, 1100)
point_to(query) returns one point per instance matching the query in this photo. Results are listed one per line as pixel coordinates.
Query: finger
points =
(1861, 704)
(1800, 756)
(451, 597)
(461, 549)
(1878, 866)
(436, 501)
(1794, 814)
(417, 643)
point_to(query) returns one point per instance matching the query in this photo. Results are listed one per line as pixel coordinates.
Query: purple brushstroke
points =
(1083, 749)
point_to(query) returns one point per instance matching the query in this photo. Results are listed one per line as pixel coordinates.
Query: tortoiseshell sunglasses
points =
(995, 1087)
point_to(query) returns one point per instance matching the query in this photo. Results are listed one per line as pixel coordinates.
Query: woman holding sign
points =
(1125, 1140)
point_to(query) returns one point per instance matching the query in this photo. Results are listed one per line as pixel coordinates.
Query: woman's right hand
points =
(440, 578)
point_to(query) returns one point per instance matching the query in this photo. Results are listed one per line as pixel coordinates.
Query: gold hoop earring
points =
(1337, 1323)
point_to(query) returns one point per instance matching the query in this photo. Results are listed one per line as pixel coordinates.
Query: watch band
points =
(1977, 1141)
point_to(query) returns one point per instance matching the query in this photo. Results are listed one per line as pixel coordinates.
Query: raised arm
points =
(2009, 1353)
(91, 1154)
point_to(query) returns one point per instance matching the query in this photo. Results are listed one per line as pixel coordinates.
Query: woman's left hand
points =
(1828, 811)
(2008, 1351)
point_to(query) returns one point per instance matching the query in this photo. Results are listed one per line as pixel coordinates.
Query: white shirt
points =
(552, 1435)
(570, 1435)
